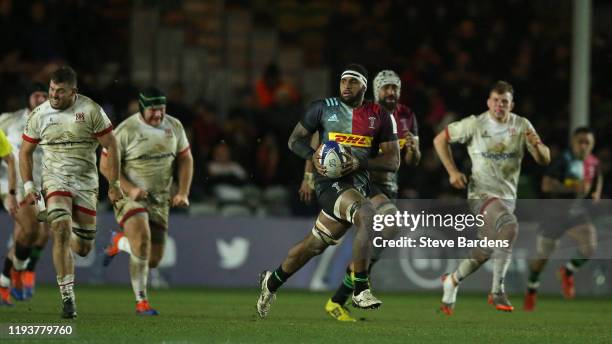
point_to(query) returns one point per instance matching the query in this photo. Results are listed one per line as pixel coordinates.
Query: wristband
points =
(29, 187)
(12, 192)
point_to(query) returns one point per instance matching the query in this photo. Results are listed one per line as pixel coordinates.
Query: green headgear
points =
(149, 97)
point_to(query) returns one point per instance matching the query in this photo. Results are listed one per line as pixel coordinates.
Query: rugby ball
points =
(332, 158)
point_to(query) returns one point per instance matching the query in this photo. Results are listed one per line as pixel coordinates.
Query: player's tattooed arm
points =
(457, 179)
(299, 142)
(307, 187)
(109, 142)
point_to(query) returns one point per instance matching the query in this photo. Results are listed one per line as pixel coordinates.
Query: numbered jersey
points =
(362, 129)
(496, 151)
(68, 139)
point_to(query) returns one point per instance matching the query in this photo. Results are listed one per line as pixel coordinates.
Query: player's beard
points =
(355, 100)
(389, 103)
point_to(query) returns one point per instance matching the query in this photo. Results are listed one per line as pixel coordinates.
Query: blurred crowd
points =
(448, 54)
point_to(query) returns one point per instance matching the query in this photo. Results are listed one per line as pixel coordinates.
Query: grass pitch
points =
(106, 315)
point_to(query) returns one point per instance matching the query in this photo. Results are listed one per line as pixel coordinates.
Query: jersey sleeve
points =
(101, 124)
(461, 131)
(388, 128)
(122, 142)
(5, 145)
(31, 132)
(414, 129)
(182, 144)
(312, 118)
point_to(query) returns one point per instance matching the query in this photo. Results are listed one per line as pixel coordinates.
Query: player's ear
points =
(511, 106)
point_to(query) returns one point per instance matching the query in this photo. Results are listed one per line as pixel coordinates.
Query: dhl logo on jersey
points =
(351, 139)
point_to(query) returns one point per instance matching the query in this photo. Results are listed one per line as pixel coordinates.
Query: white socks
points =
(66, 285)
(124, 245)
(20, 265)
(5, 282)
(139, 272)
(465, 268)
(501, 262)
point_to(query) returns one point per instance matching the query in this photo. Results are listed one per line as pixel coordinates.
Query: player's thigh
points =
(496, 213)
(59, 208)
(328, 229)
(133, 219)
(84, 205)
(382, 204)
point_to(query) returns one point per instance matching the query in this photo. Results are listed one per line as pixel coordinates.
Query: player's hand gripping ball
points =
(332, 156)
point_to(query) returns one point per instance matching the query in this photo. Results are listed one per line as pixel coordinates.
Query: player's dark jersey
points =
(362, 128)
(569, 170)
(406, 123)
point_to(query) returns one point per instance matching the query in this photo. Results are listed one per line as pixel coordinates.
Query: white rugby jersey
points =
(68, 139)
(13, 124)
(496, 150)
(148, 153)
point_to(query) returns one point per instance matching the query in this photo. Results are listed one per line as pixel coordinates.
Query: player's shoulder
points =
(519, 120)
(592, 159)
(41, 109)
(325, 103)
(373, 108)
(86, 103)
(173, 121)
(9, 117)
(403, 111)
(473, 120)
(129, 123)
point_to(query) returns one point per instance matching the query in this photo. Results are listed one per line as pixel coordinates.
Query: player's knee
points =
(481, 255)
(588, 250)
(364, 216)
(59, 217)
(387, 208)
(506, 226)
(142, 248)
(323, 234)
(545, 246)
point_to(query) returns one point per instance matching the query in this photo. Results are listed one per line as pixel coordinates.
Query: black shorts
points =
(377, 189)
(553, 227)
(328, 192)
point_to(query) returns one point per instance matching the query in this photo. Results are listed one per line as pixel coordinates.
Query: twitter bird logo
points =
(234, 253)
